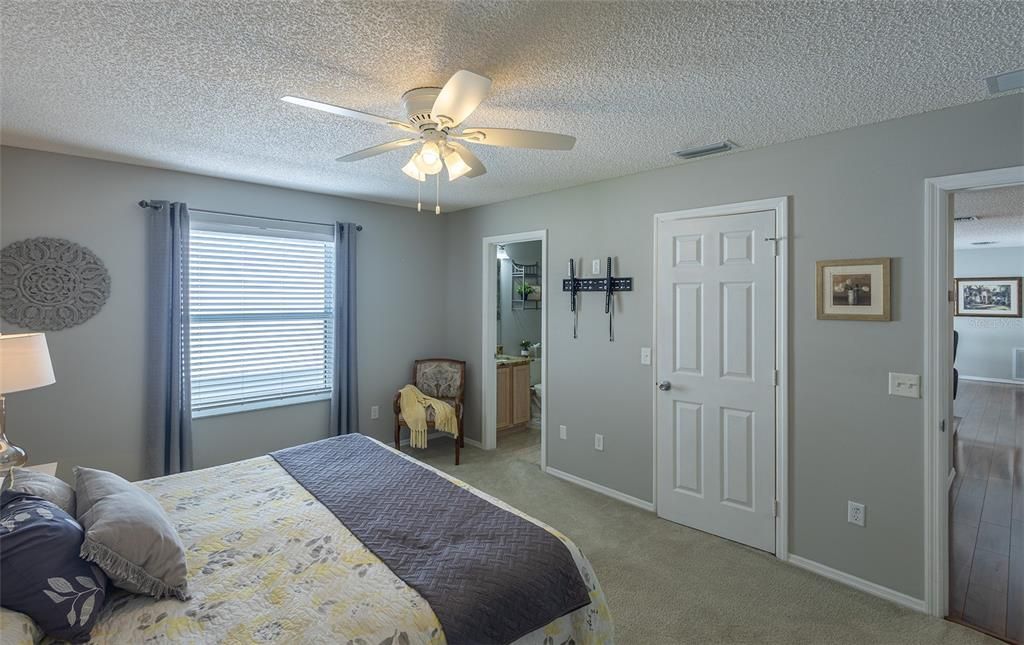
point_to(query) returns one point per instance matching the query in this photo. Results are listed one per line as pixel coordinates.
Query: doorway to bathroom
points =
(514, 320)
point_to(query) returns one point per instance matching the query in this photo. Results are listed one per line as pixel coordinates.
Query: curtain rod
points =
(147, 204)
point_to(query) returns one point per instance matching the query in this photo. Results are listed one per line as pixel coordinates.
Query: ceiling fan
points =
(434, 117)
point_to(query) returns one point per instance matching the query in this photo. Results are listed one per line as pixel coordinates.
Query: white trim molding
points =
(598, 488)
(858, 583)
(780, 205)
(936, 378)
(988, 379)
(489, 335)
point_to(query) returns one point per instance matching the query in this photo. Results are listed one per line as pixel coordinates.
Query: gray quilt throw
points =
(490, 576)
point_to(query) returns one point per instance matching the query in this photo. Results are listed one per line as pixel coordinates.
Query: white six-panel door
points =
(716, 371)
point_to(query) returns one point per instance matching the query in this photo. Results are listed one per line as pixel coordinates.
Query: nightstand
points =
(49, 469)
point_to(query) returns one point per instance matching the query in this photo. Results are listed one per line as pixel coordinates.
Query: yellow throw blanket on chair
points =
(413, 404)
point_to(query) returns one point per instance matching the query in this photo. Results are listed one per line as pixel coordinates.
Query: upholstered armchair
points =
(440, 378)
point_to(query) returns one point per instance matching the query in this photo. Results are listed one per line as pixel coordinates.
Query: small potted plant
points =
(524, 290)
(524, 346)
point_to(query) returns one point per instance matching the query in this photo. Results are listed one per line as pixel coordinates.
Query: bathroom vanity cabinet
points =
(513, 396)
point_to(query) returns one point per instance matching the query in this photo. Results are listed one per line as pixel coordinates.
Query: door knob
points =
(664, 386)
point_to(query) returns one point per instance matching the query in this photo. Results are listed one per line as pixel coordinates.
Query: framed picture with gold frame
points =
(854, 289)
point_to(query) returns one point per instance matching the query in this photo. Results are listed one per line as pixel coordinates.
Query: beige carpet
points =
(669, 584)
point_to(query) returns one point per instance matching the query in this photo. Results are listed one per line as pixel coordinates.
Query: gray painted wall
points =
(518, 324)
(856, 193)
(986, 344)
(93, 414)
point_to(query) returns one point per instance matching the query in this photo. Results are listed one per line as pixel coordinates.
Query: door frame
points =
(938, 474)
(489, 335)
(780, 205)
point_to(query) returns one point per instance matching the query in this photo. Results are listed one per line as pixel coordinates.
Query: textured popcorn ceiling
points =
(1000, 213)
(195, 86)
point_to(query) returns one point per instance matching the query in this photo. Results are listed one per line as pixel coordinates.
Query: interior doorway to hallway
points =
(986, 497)
(514, 331)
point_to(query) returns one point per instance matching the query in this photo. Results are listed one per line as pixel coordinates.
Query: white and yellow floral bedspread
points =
(268, 563)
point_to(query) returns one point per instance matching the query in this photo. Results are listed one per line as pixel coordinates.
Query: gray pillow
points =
(45, 486)
(129, 536)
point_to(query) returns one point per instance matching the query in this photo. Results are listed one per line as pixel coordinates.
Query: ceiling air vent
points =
(704, 151)
(983, 243)
(1005, 82)
(966, 218)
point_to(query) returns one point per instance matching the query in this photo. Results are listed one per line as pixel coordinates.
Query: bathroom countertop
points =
(506, 360)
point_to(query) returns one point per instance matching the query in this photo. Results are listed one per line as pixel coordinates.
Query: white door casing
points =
(936, 377)
(716, 350)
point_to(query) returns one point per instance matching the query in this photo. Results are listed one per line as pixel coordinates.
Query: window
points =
(261, 308)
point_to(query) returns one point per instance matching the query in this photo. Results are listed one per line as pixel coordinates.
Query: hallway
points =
(987, 510)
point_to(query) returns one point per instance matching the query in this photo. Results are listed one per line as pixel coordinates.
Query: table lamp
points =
(24, 365)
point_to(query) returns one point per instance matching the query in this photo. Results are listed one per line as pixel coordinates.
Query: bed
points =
(270, 562)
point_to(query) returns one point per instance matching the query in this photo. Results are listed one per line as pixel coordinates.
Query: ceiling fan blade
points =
(459, 97)
(470, 159)
(353, 114)
(377, 150)
(508, 138)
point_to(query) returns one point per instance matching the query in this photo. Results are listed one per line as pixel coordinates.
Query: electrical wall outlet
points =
(561, 432)
(855, 513)
(375, 412)
(908, 385)
(598, 442)
(596, 267)
(645, 355)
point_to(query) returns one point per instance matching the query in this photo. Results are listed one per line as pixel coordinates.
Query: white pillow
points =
(18, 629)
(48, 487)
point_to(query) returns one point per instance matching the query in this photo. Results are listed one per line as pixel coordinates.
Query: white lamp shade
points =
(457, 166)
(24, 362)
(427, 168)
(412, 170)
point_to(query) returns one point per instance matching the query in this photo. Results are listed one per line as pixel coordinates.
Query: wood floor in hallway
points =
(986, 583)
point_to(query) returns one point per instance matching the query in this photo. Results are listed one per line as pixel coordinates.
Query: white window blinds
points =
(261, 308)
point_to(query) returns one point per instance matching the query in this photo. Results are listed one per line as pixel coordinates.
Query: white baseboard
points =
(474, 443)
(604, 490)
(950, 478)
(859, 583)
(986, 379)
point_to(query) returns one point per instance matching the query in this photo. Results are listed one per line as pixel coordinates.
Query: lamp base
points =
(10, 454)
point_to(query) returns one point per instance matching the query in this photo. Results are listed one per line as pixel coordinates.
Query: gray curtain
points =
(344, 396)
(168, 386)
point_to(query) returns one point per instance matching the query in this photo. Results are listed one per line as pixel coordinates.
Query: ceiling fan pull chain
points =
(419, 198)
(437, 194)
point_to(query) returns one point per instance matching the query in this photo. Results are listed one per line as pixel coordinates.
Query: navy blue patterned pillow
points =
(43, 577)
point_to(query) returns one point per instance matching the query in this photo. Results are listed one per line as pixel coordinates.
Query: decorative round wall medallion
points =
(48, 284)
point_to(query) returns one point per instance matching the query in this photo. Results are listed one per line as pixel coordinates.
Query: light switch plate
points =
(596, 267)
(598, 442)
(645, 355)
(561, 432)
(375, 412)
(908, 385)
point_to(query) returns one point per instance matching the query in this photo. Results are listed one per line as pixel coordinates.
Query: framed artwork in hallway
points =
(853, 289)
(988, 297)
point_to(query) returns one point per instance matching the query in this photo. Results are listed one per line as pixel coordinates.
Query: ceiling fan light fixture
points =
(430, 153)
(457, 166)
(413, 170)
(427, 168)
